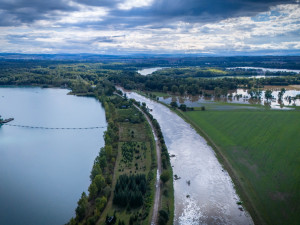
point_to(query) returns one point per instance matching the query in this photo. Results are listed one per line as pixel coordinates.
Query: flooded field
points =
(240, 96)
(264, 70)
(204, 192)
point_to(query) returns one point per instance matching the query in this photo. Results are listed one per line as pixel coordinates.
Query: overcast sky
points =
(222, 27)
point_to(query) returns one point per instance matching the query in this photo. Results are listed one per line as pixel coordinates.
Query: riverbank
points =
(248, 190)
(199, 181)
(234, 174)
(241, 190)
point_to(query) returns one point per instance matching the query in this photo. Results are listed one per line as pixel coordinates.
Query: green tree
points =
(93, 190)
(182, 107)
(95, 171)
(163, 217)
(108, 151)
(268, 94)
(280, 94)
(100, 203)
(174, 104)
(181, 89)
(217, 91)
(258, 93)
(224, 91)
(251, 92)
(165, 176)
(165, 89)
(174, 89)
(99, 181)
(82, 207)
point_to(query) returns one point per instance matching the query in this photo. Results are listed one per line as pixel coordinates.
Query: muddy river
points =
(205, 193)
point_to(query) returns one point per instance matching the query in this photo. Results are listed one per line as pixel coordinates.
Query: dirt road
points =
(158, 173)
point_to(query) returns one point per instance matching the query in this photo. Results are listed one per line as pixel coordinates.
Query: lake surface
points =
(43, 172)
(210, 198)
(148, 71)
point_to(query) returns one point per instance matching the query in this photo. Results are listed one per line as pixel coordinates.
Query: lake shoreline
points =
(64, 155)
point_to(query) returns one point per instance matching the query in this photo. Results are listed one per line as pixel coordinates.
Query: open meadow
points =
(262, 147)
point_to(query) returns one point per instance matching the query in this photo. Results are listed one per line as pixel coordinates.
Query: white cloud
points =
(129, 4)
(278, 31)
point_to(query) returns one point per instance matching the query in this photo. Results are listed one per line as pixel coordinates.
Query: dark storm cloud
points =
(194, 10)
(14, 12)
(105, 3)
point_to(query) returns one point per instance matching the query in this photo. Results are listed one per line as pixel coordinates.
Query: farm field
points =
(262, 147)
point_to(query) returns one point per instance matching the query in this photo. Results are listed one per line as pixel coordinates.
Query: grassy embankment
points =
(260, 148)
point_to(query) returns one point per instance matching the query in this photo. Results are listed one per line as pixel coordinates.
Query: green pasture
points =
(263, 148)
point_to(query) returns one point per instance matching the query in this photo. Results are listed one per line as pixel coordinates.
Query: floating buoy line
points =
(54, 128)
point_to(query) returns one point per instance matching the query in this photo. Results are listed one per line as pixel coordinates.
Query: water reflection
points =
(43, 172)
(264, 70)
(240, 96)
(204, 194)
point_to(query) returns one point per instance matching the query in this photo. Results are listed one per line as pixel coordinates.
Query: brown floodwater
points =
(205, 193)
(241, 96)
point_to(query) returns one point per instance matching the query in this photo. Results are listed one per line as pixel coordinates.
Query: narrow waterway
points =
(44, 171)
(205, 193)
(148, 71)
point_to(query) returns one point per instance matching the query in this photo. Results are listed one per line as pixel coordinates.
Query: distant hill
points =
(148, 60)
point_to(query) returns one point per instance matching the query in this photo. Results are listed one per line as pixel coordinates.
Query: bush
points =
(163, 217)
(165, 176)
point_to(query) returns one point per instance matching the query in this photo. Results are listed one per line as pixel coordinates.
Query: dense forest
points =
(139, 61)
(101, 77)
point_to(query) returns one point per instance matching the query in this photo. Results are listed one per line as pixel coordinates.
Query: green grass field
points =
(263, 148)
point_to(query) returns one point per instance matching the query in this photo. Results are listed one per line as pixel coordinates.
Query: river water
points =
(210, 198)
(148, 71)
(264, 70)
(43, 172)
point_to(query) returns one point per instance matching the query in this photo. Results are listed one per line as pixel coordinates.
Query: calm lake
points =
(43, 172)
